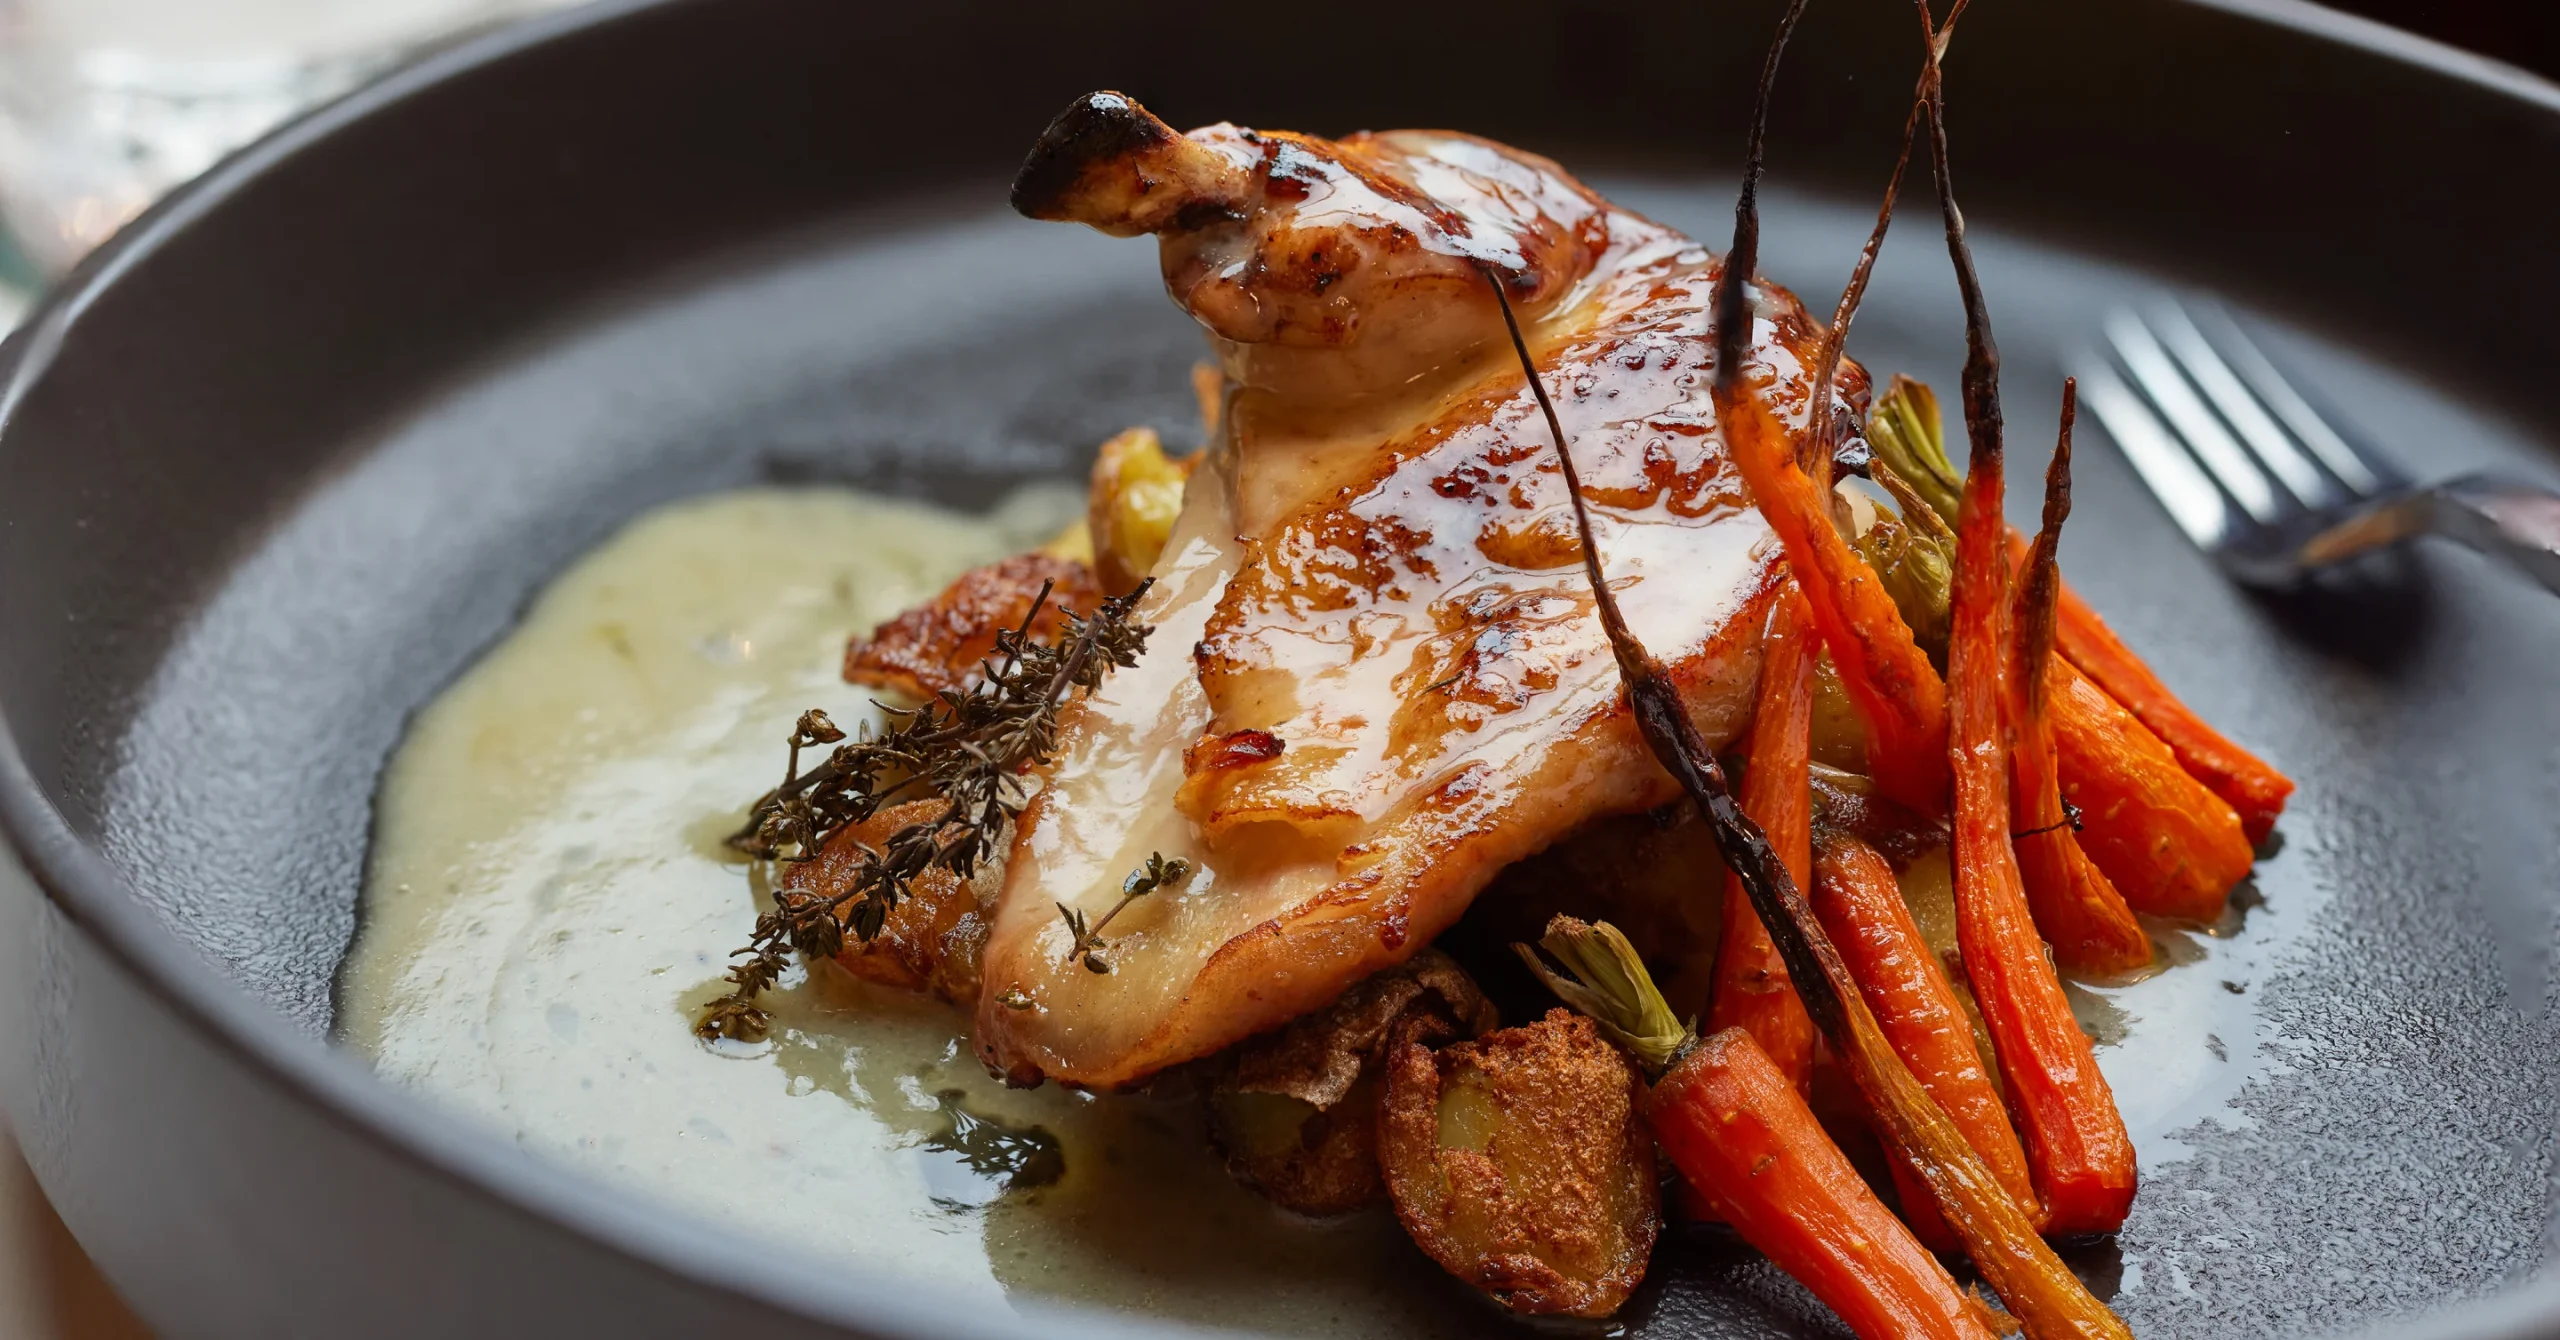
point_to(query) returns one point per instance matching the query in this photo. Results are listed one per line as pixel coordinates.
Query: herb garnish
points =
(1156, 874)
(972, 747)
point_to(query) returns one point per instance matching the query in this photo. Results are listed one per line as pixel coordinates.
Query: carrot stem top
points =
(1606, 979)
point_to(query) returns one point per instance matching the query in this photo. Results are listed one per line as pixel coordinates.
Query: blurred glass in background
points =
(106, 104)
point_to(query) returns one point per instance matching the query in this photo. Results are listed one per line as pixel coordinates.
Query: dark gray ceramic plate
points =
(282, 459)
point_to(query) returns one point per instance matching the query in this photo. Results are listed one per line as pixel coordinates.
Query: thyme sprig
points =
(972, 747)
(1157, 873)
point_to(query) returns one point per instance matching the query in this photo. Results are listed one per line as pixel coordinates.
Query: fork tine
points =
(2204, 434)
(2189, 497)
(2361, 476)
(2240, 409)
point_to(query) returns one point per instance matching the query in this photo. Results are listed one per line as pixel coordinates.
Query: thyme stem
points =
(1157, 873)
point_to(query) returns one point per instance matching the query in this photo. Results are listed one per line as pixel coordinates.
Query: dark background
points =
(2520, 32)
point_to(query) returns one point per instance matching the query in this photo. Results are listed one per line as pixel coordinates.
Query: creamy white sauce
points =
(549, 902)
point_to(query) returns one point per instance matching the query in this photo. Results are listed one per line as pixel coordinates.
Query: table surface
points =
(48, 1289)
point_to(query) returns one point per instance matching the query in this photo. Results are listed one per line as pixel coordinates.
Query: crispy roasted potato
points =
(1136, 494)
(942, 643)
(931, 940)
(1318, 1161)
(1295, 1111)
(1518, 1162)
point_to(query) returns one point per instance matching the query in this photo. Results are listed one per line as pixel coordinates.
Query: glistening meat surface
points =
(1376, 676)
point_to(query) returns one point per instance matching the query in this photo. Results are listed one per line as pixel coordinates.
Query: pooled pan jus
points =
(280, 460)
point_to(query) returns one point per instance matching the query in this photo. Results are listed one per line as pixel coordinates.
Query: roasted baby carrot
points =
(2076, 1140)
(2240, 778)
(2183, 867)
(1751, 990)
(2171, 847)
(1897, 692)
(1906, 988)
(2075, 905)
(1735, 1126)
(1904, 432)
(1919, 1212)
(2047, 1300)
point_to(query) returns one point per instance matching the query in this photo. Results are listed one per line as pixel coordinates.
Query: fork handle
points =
(2504, 519)
(2500, 517)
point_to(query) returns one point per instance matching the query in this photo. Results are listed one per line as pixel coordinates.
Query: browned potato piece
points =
(1296, 1110)
(1135, 495)
(931, 940)
(1518, 1163)
(942, 643)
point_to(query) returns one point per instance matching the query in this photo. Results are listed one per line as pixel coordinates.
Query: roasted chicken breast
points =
(1376, 677)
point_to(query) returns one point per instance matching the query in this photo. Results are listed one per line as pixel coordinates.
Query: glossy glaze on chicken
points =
(1396, 684)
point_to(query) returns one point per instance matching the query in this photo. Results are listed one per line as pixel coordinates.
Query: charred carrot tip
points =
(2076, 906)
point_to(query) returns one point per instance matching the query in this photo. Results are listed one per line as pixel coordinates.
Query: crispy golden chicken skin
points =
(931, 940)
(1518, 1162)
(942, 643)
(1376, 676)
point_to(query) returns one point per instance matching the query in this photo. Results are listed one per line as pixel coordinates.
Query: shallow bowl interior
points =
(283, 462)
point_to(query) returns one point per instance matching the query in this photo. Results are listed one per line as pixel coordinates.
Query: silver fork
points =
(2260, 481)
